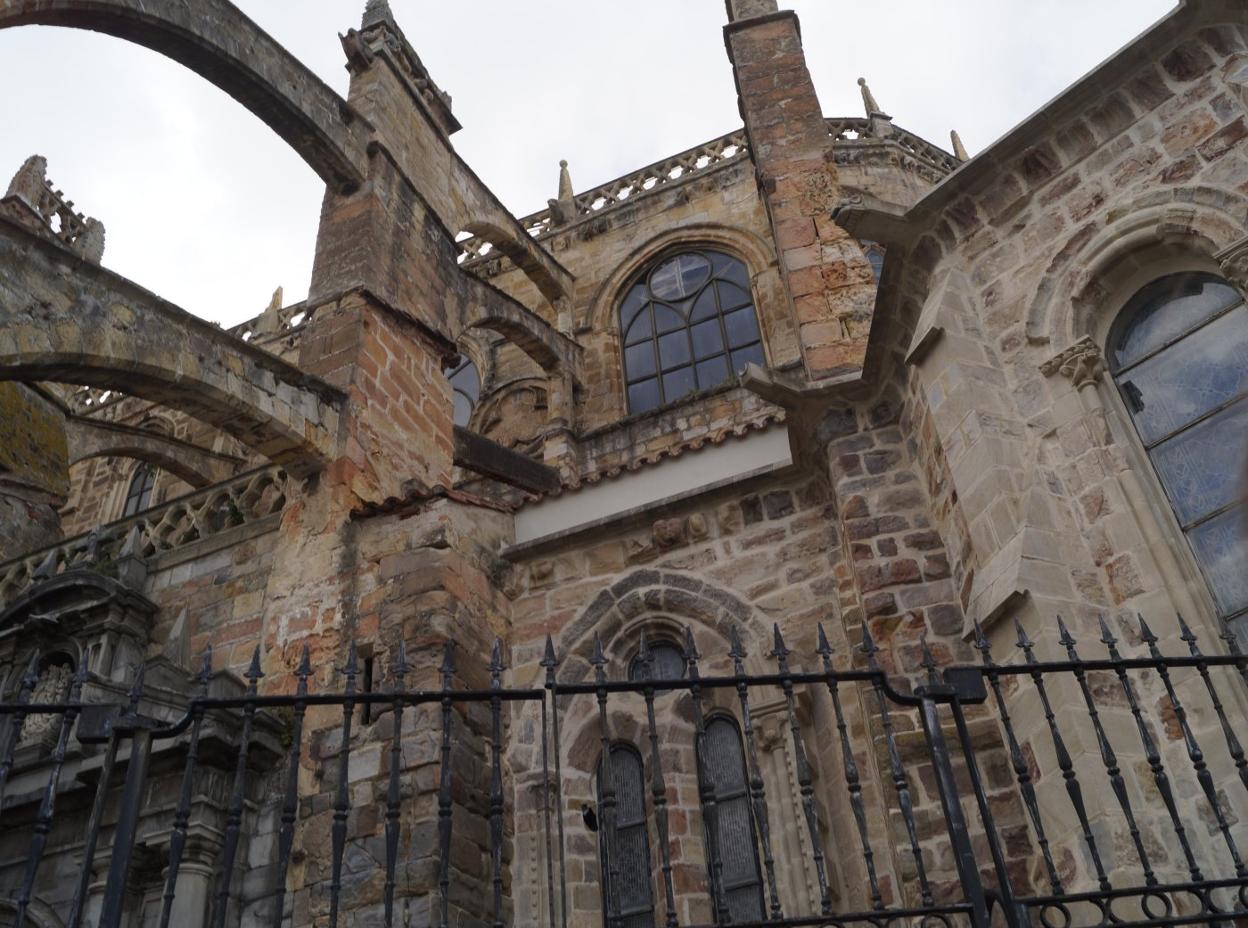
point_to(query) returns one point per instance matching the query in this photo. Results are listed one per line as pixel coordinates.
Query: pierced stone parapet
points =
(82, 234)
(244, 500)
(858, 140)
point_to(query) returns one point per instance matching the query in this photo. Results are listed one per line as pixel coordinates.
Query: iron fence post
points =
(951, 804)
(128, 815)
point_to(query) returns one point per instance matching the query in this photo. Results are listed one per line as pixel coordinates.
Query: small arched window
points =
(688, 324)
(465, 389)
(1178, 352)
(667, 659)
(728, 820)
(874, 253)
(631, 866)
(139, 494)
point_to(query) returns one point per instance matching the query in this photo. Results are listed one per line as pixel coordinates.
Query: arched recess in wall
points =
(1095, 262)
(215, 40)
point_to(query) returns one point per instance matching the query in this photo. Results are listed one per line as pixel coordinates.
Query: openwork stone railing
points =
(730, 147)
(245, 499)
(855, 142)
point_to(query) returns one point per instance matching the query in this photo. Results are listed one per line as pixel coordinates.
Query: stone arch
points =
(554, 282)
(91, 438)
(756, 253)
(69, 321)
(1194, 222)
(621, 610)
(546, 345)
(216, 40)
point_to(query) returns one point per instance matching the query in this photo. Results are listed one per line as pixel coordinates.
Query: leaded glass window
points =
(465, 390)
(726, 800)
(139, 493)
(687, 324)
(874, 253)
(1179, 355)
(632, 842)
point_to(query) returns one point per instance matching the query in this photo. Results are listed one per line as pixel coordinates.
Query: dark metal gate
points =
(924, 764)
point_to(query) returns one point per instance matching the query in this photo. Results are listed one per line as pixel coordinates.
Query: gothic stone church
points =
(814, 527)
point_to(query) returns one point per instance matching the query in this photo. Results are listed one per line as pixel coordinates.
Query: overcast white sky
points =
(205, 206)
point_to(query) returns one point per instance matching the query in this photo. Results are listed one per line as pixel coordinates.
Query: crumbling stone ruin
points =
(811, 423)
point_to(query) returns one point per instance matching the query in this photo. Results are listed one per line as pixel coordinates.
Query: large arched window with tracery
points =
(1178, 352)
(688, 324)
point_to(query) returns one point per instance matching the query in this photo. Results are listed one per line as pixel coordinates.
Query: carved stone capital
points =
(1082, 363)
(1234, 264)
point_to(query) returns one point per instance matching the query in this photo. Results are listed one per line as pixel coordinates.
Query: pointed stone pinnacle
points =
(869, 102)
(375, 12)
(959, 150)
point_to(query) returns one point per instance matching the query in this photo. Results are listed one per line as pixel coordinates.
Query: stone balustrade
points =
(246, 499)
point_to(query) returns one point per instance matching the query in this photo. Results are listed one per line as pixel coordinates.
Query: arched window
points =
(139, 494)
(874, 253)
(668, 661)
(728, 821)
(688, 324)
(465, 389)
(1178, 352)
(632, 843)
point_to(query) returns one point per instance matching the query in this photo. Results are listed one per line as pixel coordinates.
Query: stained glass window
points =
(687, 324)
(1179, 354)
(465, 389)
(631, 866)
(727, 820)
(139, 493)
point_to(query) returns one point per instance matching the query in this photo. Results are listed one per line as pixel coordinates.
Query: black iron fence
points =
(1119, 777)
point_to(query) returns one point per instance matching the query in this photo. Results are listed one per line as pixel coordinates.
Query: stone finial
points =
(563, 209)
(1082, 363)
(89, 245)
(376, 12)
(869, 102)
(29, 183)
(959, 150)
(269, 322)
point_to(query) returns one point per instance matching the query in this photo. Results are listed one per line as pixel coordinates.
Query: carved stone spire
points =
(376, 12)
(959, 150)
(563, 209)
(868, 100)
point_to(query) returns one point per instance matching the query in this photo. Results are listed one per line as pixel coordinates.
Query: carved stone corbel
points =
(1082, 363)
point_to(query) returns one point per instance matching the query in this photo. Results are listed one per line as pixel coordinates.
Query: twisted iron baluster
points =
(1073, 789)
(29, 680)
(234, 814)
(43, 819)
(852, 781)
(496, 779)
(338, 831)
(1022, 771)
(1232, 741)
(901, 783)
(706, 783)
(1151, 754)
(182, 816)
(1108, 757)
(1194, 753)
(398, 681)
(550, 662)
(290, 801)
(606, 787)
(658, 786)
(444, 788)
(804, 781)
(758, 795)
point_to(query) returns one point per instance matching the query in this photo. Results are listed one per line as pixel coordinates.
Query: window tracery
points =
(687, 323)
